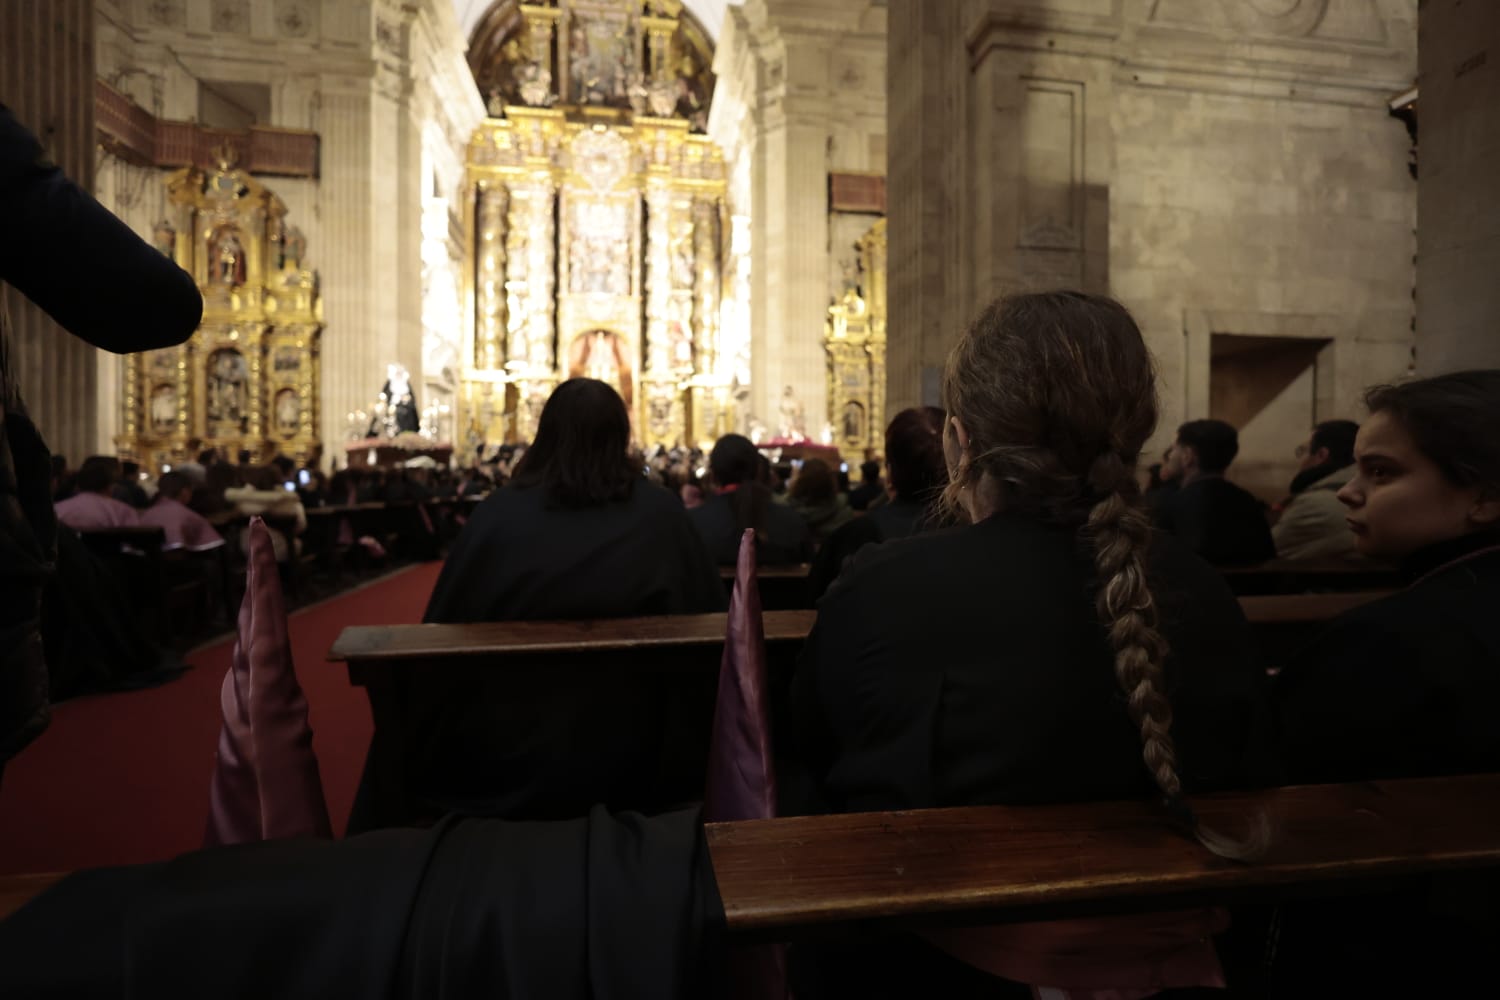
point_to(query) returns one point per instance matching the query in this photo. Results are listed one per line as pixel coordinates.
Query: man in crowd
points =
(94, 507)
(1312, 526)
(183, 527)
(870, 487)
(1223, 523)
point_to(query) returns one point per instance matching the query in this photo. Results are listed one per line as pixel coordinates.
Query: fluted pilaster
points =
(353, 355)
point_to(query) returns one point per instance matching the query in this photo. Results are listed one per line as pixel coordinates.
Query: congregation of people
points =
(1009, 611)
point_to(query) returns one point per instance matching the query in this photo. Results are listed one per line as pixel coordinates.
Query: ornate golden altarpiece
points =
(248, 378)
(854, 339)
(597, 221)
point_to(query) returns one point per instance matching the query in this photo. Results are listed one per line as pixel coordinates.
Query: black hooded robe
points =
(511, 743)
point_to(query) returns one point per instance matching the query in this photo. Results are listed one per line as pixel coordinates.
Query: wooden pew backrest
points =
(994, 864)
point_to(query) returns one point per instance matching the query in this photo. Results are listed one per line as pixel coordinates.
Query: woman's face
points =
(1399, 500)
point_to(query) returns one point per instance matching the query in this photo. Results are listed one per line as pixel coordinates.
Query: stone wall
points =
(800, 92)
(1458, 246)
(1222, 166)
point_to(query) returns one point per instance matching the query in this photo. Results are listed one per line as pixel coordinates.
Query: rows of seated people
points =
(1014, 622)
(1011, 619)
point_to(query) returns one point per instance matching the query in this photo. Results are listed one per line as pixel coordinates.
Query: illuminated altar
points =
(854, 339)
(247, 380)
(598, 233)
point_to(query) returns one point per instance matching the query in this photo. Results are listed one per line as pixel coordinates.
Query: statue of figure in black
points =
(401, 413)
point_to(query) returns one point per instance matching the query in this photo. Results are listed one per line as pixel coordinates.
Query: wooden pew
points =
(134, 554)
(779, 878)
(675, 657)
(782, 588)
(678, 655)
(1284, 623)
(1302, 576)
(782, 878)
(374, 652)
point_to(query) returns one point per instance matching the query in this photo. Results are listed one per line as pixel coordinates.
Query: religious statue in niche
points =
(793, 417)
(228, 393)
(602, 354)
(164, 238)
(288, 412)
(659, 416)
(163, 409)
(680, 332)
(396, 412)
(854, 421)
(228, 258)
(682, 258)
(293, 249)
(535, 85)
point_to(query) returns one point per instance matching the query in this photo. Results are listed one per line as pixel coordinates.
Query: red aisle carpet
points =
(123, 778)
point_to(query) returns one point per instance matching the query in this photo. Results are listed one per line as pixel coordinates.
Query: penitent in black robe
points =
(515, 744)
(605, 907)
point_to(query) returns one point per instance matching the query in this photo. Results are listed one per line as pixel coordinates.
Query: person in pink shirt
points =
(185, 528)
(92, 508)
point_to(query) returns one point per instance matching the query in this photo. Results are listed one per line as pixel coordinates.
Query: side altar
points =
(248, 379)
(597, 222)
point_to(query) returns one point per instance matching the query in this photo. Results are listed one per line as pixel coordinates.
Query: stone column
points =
(353, 359)
(1458, 200)
(47, 81)
(792, 259)
(927, 94)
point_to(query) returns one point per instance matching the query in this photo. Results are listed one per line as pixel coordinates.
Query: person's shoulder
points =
(651, 496)
(898, 562)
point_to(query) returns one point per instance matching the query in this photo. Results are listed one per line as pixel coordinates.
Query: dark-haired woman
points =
(814, 494)
(1052, 650)
(578, 533)
(918, 473)
(741, 499)
(1408, 686)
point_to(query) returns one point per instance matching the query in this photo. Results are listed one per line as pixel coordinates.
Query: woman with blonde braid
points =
(1051, 650)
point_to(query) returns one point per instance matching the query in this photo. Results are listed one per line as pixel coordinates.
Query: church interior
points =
(968, 498)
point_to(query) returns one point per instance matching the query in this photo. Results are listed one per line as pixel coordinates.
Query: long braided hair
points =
(1057, 394)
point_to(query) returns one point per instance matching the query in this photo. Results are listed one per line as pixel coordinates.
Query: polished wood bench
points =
(134, 554)
(779, 878)
(1301, 576)
(782, 588)
(678, 656)
(1284, 623)
(782, 878)
(372, 651)
(666, 664)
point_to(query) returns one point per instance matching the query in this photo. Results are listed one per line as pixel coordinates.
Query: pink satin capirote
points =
(266, 784)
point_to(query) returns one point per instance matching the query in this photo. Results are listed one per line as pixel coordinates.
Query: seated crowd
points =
(1004, 616)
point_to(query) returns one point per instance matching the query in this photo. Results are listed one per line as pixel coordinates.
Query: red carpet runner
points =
(123, 778)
